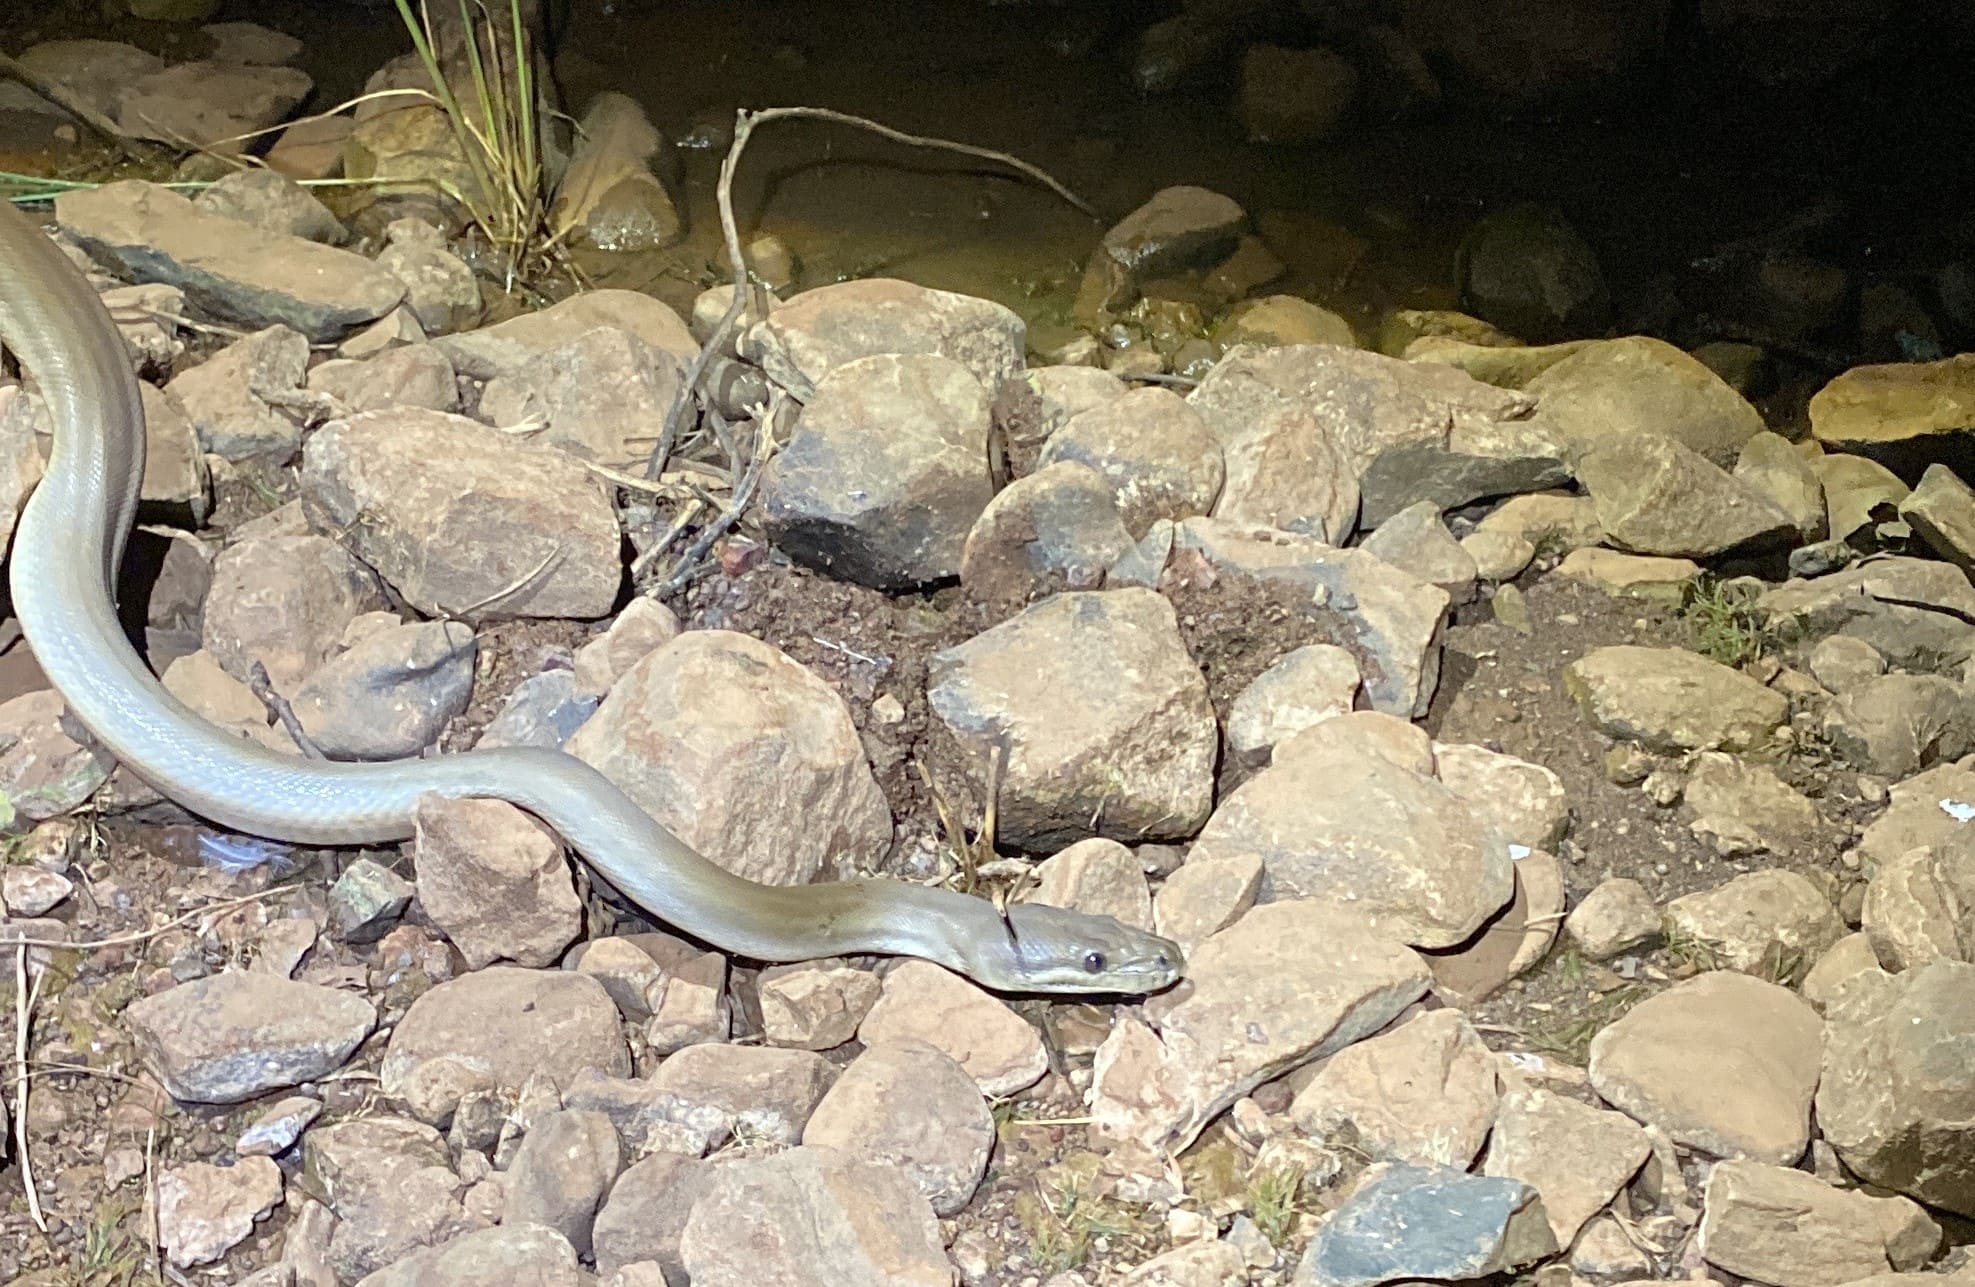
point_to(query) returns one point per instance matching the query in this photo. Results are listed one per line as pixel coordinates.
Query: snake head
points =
(1053, 949)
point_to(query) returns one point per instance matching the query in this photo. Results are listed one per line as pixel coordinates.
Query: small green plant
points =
(1571, 1039)
(1689, 952)
(1723, 623)
(1550, 543)
(1272, 1200)
(114, 1251)
(1065, 1219)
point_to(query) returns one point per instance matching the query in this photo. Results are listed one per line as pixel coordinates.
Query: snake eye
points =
(1093, 962)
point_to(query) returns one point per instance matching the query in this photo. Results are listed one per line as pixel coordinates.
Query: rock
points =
(1098, 877)
(1139, 759)
(641, 629)
(366, 901)
(1177, 229)
(311, 148)
(44, 772)
(1056, 529)
(1843, 962)
(1294, 95)
(1745, 808)
(885, 471)
(208, 105)
(815, 1005)
(414, 375)
(633, 977)
(600, 396)
(392, 693)
(645, 1213)
(692, 1008)
(1205, 897)
(1920, 906)
(274, 203)
(440, 290)
(1414, 540)
(1406, 1222)
(1899, 1085)
(1284, 984)
(238, 272)
(1287, 471)
(1896, 725)
(745, 754)
(229, 1037)
(922, 1003)
(1547, 521)
(394, 328)
(1605, 1251)
(1425, 1093)
(496, 1028)
(30, 892)
(1723, 1063)
(1196, 1264)
(1424, 868)
(1669, 699)
(543, 710)
(1926, 809)
(1282, 319)
(1942, 511)
(494, 881)
(1306, 686)
(714, 1092)
(912, 1108)
(611, 197)
(559, 1175)
(1858, 493)
(1474, 460)
(1903, 414)
(390, 1185)
(225, 397)
(1844, 664)
(1512, 944)
(1523, 802)
(1770, 921)
(812, 1215)
(1525, 269)
(204, 1211)
(98, 72)
(817, 331)
(1771, 466)
(517, 1254)
(1654, 496)
(249, 42)
(1576, 1157)
(1916, 612)
(1779, 1226)
(1498, 555)
(275, 1130)
(1623, 392)
(1639, 576)
(462, 521)
(502, 349)
(1152, 448)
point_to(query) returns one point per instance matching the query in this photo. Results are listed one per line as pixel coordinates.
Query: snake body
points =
(66, 552)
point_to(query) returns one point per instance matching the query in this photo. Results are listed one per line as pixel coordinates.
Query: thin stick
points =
(61, 96)
(513, 587)
(764, 446)
(151, 1239)
(24, 995)
(144, 936)
(687, 513)
(277, 706)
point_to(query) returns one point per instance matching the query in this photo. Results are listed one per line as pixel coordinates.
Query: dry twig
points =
(145, 936)
(24, 996)
(278, 706)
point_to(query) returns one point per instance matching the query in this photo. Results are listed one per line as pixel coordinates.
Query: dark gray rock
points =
(1414, 1222)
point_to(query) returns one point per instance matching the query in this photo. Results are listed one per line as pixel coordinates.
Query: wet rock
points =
(922, 1003)
(1575, 1156)
(1547, 521)
(1058, 528)
(462, 521)
(1770, 921)
(1305, 687)
(494, 881)
(1723, 1063)
(1771, 466)
(392, 693)
(389, 1181)
(1474, 460)
(1206, 896)
(1425, 1092)
(496, 1028)
(517, 1254)
(1745, 808)
(912, 1108)
(600, 396)
(1407, 1222)
(1916, 612)
(1177, 229)
(645, 1213)
(1654, 496)
(503, 348)
(1900, 413)
(230, 1037)
(440, 290)
(1414, 540)
(1639, 576)
(817, 331)
(208, 105)
(641, 629)
(44, 772)
(815, 1005)
(1898, 1092)
(413, 375)
(745, 754)
(1138, 759)
(1525, 269)
(226, 397)
(612, 198)
(274, 203)
(204, 1211)
(1498, 555)
(1283, 319)
(1669, 699)
(241, 273)
(1294, 95)
(812, 1215)
(1153, 449)
(1096, 876)
(1286, 983)
(713, 1092)
(366, 900)
(1623, 391)
(1523, 802)
(1779, 1226)
(559, 1175)
(1424, 869)
(885, 471)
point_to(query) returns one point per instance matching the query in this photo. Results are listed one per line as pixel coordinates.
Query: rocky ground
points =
(1556, 766)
